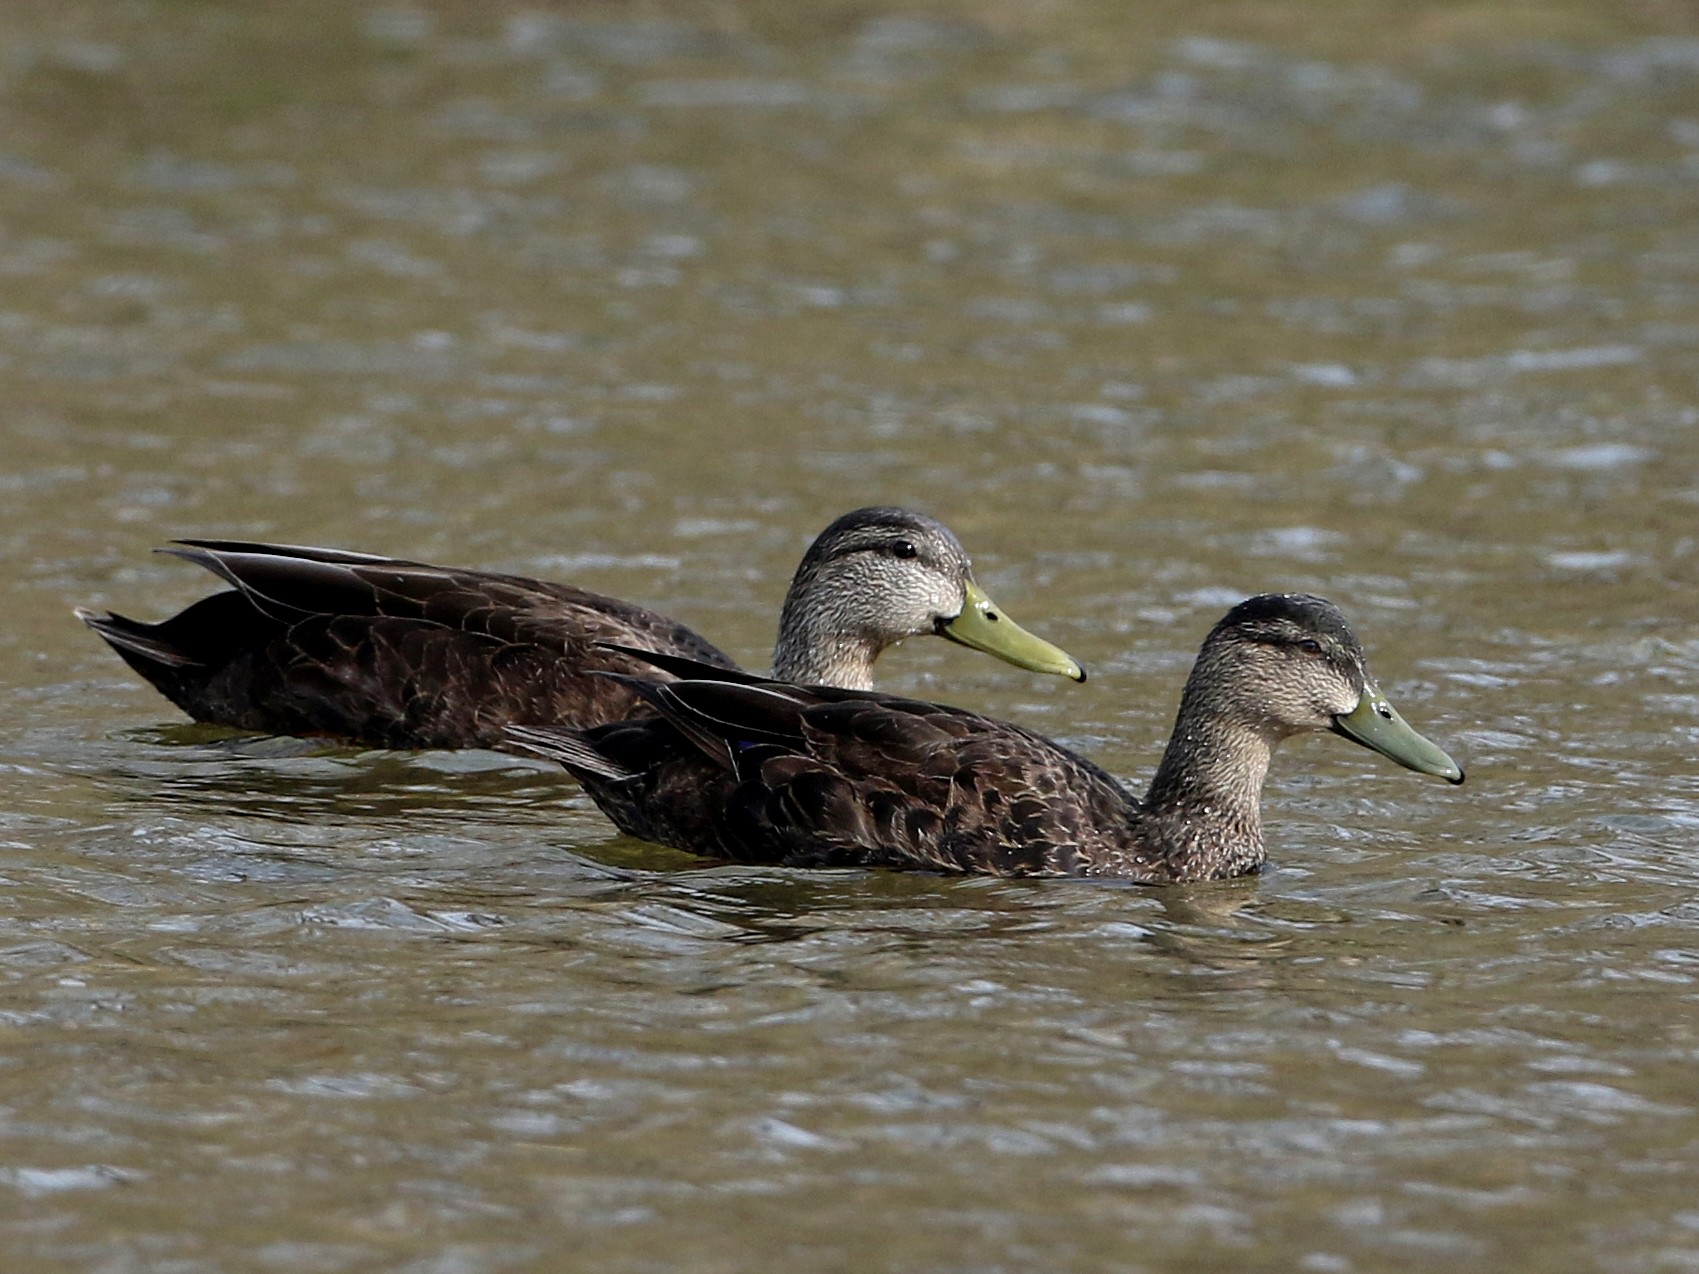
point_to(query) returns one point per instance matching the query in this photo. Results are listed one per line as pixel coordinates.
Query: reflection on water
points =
(1157, 305)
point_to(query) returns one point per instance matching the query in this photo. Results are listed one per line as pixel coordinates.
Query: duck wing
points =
(288, 581)
(391, 652)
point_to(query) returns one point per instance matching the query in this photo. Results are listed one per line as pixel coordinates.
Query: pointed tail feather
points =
(132, 637)
(566, 746)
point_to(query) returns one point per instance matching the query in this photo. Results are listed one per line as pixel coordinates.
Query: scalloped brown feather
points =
(392, 653)
(828, 778)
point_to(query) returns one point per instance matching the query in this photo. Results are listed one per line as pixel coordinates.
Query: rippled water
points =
(1156, 308)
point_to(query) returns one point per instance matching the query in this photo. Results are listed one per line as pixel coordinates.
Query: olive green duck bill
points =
(1375, 723)
(983, 626)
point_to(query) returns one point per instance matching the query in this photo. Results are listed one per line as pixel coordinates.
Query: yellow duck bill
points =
(1375, 724)
(983, 626)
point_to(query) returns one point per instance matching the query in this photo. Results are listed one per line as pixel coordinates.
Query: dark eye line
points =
(879, 548)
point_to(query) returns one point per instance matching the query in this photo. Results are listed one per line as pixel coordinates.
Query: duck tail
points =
(135, 640)
(566, 746)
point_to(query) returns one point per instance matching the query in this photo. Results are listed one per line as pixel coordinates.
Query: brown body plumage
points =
(390, 653)
(753, 770)
(394, 653)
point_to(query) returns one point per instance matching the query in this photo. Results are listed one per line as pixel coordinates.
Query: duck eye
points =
(1310, 646)
(904, 548)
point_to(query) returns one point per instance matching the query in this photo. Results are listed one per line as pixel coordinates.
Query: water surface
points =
(1156, 309)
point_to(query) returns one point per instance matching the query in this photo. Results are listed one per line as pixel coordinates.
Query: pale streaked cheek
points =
(945, 600)
(1330, 698)
(1341, 697)
(901, 608)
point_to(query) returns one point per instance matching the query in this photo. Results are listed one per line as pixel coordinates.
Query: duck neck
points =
(818, 648)
(1205, 803)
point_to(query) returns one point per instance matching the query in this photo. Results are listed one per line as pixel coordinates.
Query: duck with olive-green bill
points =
(740, 768)
(399, 654)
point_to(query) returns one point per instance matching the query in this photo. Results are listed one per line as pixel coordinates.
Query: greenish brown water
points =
(1399, 305)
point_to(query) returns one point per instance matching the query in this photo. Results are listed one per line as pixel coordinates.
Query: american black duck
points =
(399, 654)
(757, 771)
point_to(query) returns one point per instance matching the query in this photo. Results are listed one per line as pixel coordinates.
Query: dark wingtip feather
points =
(682, 667)
(297, 552)
(206, 558)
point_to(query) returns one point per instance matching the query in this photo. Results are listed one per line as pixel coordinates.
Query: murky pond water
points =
(1156, 308)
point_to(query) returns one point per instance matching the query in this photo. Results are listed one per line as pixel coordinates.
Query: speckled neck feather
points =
(1204, 807)
(810, 652)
